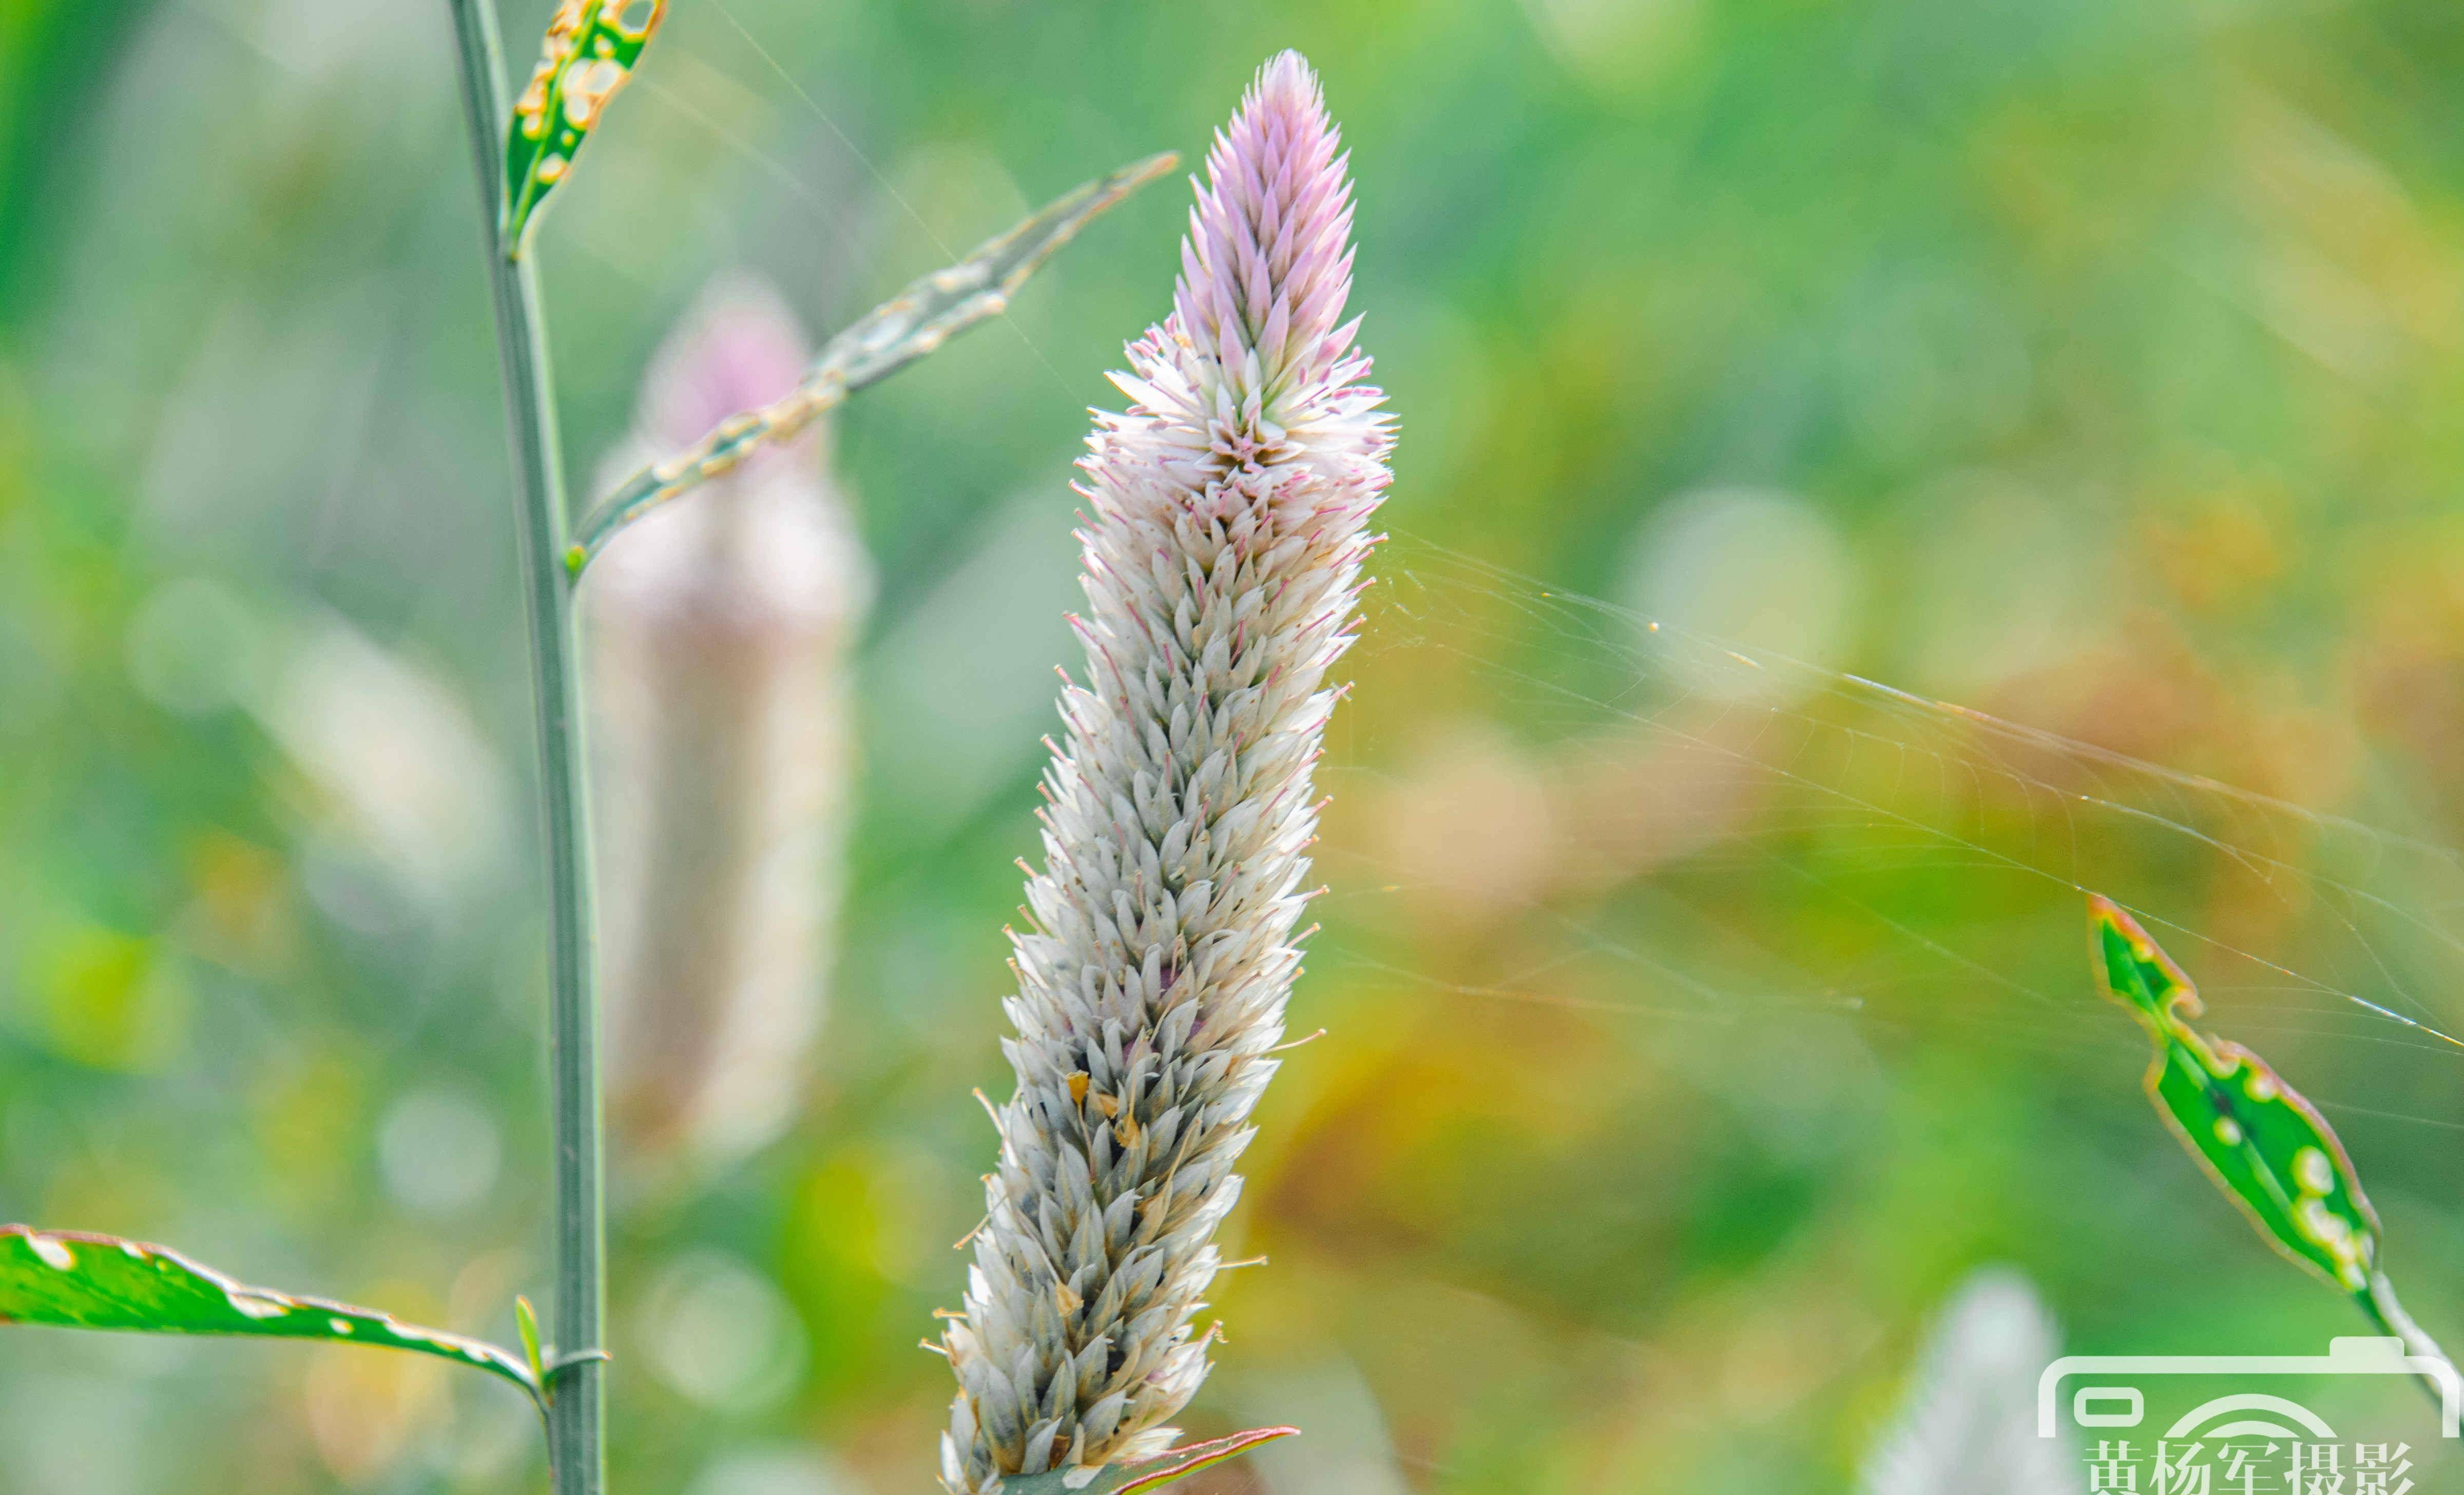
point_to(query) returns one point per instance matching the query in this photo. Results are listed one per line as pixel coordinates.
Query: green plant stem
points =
(577, 1454)
(2384, 1310)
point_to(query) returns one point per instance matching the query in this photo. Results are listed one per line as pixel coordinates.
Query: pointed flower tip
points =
(1266, 263)
(1286, 105)
(1286, 81)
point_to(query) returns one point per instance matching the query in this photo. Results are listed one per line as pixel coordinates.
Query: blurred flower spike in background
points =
(720, 633)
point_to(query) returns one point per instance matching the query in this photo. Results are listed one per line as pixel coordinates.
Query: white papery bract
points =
(1225, 527)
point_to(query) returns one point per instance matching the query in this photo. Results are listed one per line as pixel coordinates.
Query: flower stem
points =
(577, 1454)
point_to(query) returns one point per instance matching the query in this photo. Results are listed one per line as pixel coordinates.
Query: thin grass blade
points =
(1137, 1478)
(916, 321)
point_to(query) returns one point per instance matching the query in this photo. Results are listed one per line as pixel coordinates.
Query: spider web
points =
(1725, 797)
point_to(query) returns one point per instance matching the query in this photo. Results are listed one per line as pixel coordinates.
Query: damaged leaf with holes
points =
(2264, 1145)
(589, 52)
(68, 1279)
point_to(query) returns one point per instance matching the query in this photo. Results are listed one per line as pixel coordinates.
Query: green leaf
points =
(588, 54)
(65, 1280)
(526, 1320)
(1153, 1475)
(917, 320)
(2266, 1147)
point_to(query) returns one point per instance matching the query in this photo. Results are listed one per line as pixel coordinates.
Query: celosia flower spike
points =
(1226, 514)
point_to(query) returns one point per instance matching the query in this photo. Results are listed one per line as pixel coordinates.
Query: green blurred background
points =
(1697, 1019)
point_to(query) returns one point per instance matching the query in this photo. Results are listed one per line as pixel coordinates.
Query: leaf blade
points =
(2259, 1140)
(72, 1280)
(526, 1321)
(1139, 1479)
(921, 317)
(587, 55)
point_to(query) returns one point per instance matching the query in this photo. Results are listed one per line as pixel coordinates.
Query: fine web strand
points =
(1851, 786)
(881, 178)
(831, 219)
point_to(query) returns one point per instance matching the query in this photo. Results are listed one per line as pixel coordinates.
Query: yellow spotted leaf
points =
(2268, 1148)
(68, 1279)
(588, 54)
